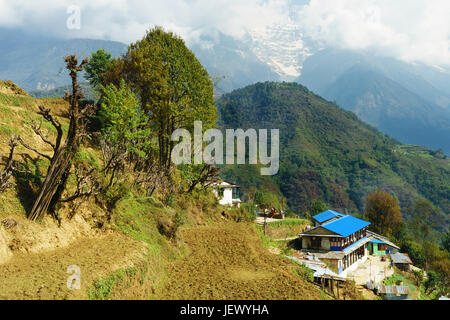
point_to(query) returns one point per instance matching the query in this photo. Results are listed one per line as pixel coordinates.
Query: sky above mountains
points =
(411, 30)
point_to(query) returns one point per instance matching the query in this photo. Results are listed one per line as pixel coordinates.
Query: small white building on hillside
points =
(227, 192)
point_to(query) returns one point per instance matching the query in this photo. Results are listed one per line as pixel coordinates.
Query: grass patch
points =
(8, 130)
(286, 228)
(16, 101)
(103, 288)
(305, 272)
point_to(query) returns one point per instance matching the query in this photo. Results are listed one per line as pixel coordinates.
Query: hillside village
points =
(91, 186)
(339, 248)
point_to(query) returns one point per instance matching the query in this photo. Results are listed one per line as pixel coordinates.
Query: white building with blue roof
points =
(339, 239)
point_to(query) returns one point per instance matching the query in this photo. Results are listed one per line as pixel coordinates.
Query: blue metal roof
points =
(346, 225)
(377, 241)
(327, 215)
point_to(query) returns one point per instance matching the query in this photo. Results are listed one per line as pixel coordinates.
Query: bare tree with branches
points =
(61, 161)
(207, 173)
(6, 173)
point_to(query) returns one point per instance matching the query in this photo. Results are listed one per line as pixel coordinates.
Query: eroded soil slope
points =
(44, 275)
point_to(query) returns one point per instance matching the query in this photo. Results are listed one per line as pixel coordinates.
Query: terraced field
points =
(228, 261)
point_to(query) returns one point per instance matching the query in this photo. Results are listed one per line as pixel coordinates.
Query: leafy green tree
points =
(96, 69)
(264, 198)
(383, 211)
(442, 269)
(415, 252)
(124, 131)
(318, 207)
(173, 87)
(446, 241)
(432, 282)
(432, 253)
(418, 277)
(420, 222)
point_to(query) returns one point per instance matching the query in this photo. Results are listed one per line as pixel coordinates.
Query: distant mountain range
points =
(232, 62)
(411, 102)
(37, 63)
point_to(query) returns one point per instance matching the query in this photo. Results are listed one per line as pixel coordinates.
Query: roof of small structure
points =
(377, 241)
(400, 258)
(327, 215)
(320, 268)
(376, 237)
(400, 290)
(222, 184)
(346, 225)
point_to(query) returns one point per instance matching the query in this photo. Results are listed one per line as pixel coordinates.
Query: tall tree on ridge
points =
(173, 87)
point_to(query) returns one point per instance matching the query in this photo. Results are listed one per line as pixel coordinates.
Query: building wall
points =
(324, 243)
(376, 249)
(227, 197)
(353, 266)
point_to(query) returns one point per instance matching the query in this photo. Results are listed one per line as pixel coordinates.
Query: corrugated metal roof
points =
(320, 268)
(400, 290)
(376, 236)
(346, 225)
(377, 241)
(400, 258)
(327, 215)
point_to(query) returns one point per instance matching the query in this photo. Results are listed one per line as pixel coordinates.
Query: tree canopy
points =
(97, 67)
(383, 211)
(173, 87)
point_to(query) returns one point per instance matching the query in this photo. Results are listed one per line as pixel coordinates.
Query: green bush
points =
(305, 272)
(241, 214)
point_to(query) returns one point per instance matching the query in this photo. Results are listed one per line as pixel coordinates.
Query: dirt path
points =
(227, 261)
(44, 275)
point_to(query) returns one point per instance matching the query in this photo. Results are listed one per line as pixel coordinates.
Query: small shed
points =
(380, 245)
(393, 292)
(227, 192)
(401, 261)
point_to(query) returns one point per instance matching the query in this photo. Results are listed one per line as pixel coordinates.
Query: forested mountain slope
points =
(327, 153)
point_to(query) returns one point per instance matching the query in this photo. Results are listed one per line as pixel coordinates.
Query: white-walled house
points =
(227, 192)
(339, 239)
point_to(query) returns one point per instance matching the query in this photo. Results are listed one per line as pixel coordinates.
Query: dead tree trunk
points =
(6, 174)
(54, 184)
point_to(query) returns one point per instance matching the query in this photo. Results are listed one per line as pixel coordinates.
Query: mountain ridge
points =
(328, 154)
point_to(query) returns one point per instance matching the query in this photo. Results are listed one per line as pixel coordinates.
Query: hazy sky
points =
(406, 29)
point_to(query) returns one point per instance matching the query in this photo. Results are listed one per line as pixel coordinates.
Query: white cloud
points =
(127, 20)
(406, 29)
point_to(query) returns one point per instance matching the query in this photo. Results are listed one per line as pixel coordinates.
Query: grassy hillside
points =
(130, 245)
(327, 153)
